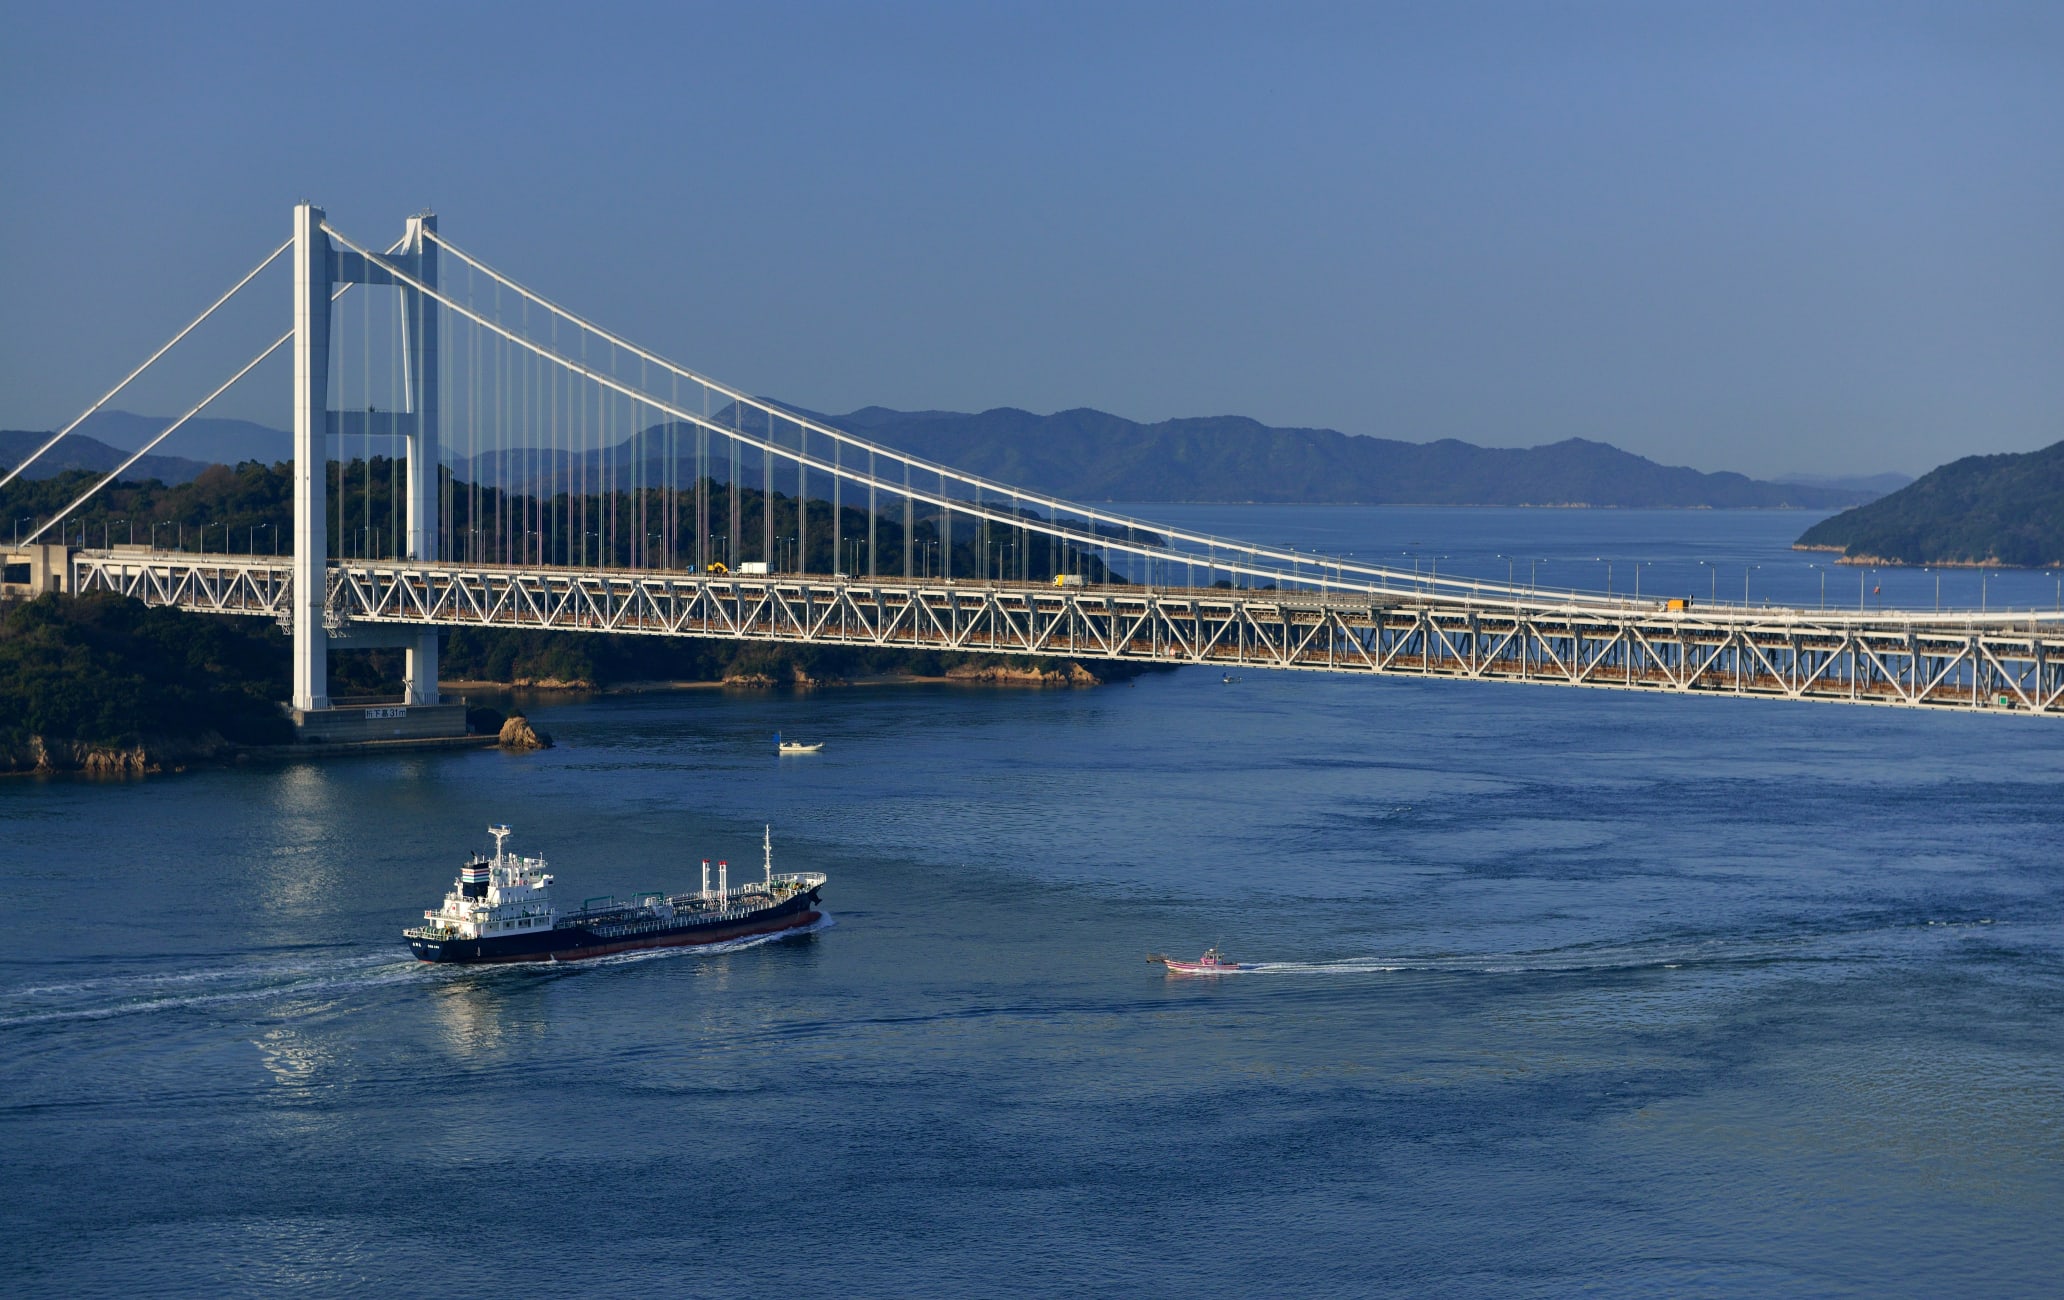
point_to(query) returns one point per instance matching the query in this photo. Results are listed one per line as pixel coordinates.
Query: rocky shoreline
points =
(1891, 562)
(39, 758)
(36, 756)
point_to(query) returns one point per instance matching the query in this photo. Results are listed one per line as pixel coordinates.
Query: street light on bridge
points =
(1433, 580)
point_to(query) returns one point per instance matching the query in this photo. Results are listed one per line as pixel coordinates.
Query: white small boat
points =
(794, 746)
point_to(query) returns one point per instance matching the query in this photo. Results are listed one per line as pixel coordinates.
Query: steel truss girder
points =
(1790, 654)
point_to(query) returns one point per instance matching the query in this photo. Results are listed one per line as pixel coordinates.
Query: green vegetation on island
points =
(2003, 510)
(105, 683)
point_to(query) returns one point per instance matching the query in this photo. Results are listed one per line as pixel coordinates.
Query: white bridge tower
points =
(318, 268)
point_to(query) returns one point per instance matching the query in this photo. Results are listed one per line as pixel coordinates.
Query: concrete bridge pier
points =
(33, 570)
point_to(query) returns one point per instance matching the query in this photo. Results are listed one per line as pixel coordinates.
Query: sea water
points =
(1557, 991)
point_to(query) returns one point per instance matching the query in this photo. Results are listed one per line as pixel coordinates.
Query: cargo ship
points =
(501, 909)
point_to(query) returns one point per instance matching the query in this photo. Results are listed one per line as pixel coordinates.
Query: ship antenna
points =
(500, 833)
(768, 841)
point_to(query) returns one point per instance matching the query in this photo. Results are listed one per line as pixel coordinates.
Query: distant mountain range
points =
(1089, 455)
(1081, 454)
(105, 439)
(211, 442)
(2005, 510)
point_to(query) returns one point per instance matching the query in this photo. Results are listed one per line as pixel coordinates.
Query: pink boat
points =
(1213, 962)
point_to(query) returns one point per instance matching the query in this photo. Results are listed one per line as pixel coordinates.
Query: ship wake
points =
(1876, 942)
(146, 993)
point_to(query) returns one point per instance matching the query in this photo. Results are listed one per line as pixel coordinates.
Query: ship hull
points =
(576, 943)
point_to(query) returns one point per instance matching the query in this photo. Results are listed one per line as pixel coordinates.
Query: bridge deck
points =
(2006, 662)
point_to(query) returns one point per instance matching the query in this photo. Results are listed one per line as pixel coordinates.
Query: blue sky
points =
(1774, 238)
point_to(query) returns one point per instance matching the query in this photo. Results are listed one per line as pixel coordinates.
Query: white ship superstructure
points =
(504, 894)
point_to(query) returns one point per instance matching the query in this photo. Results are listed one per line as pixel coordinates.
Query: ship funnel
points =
(723, 876)
(705, 877)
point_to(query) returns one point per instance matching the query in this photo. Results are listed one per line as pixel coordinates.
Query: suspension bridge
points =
(530, 469)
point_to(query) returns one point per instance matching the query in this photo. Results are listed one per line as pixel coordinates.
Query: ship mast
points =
(768, 842)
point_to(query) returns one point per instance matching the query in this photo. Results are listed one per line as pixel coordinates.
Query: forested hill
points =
(1090, 455)
(2004, 510)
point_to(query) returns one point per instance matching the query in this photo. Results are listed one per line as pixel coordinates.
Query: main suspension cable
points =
(1218, 554)
(1460, 587)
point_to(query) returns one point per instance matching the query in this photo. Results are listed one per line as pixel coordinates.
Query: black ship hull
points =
(573, 942)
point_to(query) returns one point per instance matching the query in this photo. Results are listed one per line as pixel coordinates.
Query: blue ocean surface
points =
(1559, 991)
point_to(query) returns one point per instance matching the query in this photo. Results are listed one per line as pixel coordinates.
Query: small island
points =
(2005, 511)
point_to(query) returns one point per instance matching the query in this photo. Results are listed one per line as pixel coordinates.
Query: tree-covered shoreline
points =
(2005, 511)
(105, 683)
